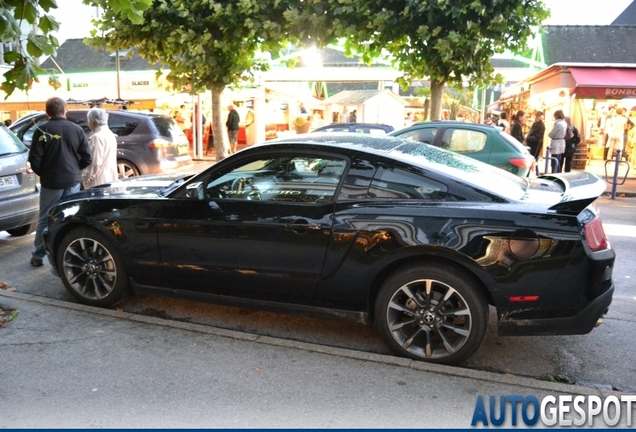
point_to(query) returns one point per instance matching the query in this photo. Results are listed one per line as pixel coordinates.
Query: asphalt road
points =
(603, 358)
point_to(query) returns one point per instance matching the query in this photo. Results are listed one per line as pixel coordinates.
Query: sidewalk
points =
(72, 366)
(626, 179)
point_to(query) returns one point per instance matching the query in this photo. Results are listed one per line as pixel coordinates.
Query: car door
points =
(469, 142)
(259, 228)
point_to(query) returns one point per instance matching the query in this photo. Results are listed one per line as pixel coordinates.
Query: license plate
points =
(9, 182)
(182, 149)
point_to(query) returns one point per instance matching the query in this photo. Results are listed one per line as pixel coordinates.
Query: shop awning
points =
(604, 82)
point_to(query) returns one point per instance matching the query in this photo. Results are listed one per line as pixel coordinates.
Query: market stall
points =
(589, 94)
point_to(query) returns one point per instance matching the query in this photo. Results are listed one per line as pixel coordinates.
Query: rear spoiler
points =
(581, 190)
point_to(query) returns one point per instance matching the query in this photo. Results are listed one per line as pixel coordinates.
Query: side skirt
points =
(263, 305)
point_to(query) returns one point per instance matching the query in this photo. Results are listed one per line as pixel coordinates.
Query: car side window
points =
(335, 129)
(464, 140)
(122, 125)
(402, 184)
(292, 179)
(425, 135)
(27, 136)
(80, 120)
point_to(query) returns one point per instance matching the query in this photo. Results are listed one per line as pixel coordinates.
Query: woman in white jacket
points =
(557, 140)
(103, 146)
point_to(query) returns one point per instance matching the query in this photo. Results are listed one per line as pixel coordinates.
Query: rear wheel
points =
(126, 169)
(23, 230)
(431, 313)
(91, 268)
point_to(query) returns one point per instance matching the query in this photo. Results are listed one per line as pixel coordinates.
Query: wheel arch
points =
(70, 226)
(462, 264)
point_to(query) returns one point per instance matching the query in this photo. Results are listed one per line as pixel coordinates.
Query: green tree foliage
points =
(447, 41)
(31, 27)
(206, 45)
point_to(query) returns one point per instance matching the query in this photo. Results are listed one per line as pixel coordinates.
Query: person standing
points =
(615, 129)
(103, 147)
(516, 129)
(59, 151)
(570, 146)
(557, 140)
(353, 118)
(344, 115)
(232, 123)
(503, 122)
(534, 139)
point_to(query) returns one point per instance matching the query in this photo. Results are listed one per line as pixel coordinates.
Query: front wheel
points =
(90, 268)
(431, 313)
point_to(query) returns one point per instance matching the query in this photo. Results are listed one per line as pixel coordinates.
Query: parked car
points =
(146, 143)
(366, 128)
(415, 238)
(19, 193)
(483, 142)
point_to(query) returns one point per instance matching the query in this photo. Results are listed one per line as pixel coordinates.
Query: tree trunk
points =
(437, 91)
(221, 142)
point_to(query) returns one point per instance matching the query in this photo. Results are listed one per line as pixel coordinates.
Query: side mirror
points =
(195, 191)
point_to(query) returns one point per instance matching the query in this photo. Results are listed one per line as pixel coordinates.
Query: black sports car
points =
(414, 238)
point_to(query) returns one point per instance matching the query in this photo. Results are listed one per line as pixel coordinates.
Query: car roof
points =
(452, 123)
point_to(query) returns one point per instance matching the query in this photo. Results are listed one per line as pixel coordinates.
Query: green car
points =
(485, 143)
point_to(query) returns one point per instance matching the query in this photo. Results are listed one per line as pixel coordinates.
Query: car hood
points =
(139, 186)
(568, 193)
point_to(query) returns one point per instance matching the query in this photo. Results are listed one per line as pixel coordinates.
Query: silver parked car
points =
(19, 193)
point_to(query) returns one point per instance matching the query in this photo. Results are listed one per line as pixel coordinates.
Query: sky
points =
(75, 17)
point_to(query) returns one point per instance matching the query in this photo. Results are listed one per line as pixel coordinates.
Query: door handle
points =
(302, 226)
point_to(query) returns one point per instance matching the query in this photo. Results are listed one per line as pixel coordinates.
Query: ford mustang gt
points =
(413, 238)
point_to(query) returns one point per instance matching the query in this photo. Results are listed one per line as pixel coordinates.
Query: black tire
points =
(91, 268)
(23, 230)
(126, 169)
(445, 326)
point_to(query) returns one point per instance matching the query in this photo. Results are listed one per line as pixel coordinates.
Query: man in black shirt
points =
(232, 123)
(59, 151)
(534, 139)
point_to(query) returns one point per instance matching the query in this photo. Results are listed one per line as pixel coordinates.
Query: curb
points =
(506, 379)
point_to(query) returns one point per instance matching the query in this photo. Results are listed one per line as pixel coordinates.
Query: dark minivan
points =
(146, 143)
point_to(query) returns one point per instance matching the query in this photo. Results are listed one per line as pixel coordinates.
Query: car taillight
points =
(595, 235)
(525, 163)
(160, 143)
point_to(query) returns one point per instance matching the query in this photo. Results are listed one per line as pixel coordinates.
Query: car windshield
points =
(513, 141)
(9, 143)
(469, 170)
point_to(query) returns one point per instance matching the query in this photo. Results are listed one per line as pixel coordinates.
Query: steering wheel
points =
(238, 185)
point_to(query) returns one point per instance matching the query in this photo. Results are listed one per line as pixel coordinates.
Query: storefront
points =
(588, 93)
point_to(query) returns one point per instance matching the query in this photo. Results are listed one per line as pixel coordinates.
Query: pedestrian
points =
(59, 151)
(534, 139)
(557, 140)
(353, 118)
(103, 147)
(516, 129)
(503, 122)
(182, 119)
(570, 145)
(615, 130)
(232, 123)
(344, 115)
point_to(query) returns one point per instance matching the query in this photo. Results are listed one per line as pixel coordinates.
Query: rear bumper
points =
(21, 211)
(581, 323)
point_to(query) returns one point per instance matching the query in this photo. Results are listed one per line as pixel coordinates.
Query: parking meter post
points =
(547, 159)
(615, 182)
